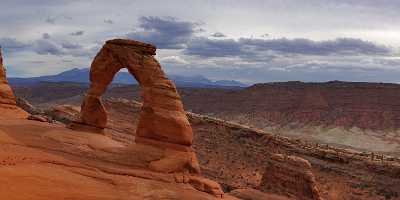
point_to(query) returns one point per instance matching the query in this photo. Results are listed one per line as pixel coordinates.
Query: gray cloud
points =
(47, 47)
(205, 47)
(316, 69)
(345, 46)
(218, 35)
(66, 61)
(186, 50)
(50, 20)
(265, 35)
(46, 36)
(108, 21)
(77, 33)
(70, 45)
(165, 33)
(11, 44)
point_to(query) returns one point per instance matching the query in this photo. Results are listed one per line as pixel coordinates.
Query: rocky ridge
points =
(371, 106)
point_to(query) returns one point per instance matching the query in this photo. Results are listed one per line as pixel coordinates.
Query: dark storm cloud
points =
(205, 47)
(218, 35)
(165, 33)
(77, 33)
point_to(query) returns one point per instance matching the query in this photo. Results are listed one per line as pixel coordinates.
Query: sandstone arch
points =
(162, 120)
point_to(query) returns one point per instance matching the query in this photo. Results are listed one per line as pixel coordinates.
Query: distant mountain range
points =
(82, 76)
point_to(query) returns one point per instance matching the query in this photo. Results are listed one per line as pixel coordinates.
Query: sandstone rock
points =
(39, 118)
(28, 107)
(252, 194)
(64, 113)
(163, 117)
(290, 176)
(8, 108)
(47, 161)
(162, 123)
(6, 95)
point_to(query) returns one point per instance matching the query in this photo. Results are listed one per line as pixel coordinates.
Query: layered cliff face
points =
(373, 106)
(364, 105)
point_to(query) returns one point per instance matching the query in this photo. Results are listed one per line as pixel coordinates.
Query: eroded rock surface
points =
(162, 117)
(290, 176)
(252, 194)
(43, 161)
(162, 123)
(8, 103)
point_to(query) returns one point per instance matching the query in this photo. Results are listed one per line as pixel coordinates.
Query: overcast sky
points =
(250, 40)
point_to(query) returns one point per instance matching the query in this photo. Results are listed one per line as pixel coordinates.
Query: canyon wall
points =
(365, 105)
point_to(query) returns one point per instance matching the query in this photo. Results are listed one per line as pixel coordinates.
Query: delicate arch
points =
(162, 118)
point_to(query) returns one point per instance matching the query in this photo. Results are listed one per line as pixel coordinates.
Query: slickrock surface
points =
(8, 106)
(42, 161)
(290, 176)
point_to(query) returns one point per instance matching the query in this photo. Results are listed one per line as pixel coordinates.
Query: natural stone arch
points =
(162, 120)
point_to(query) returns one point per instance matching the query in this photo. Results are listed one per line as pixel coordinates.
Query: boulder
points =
(64, 113)
(290, 176)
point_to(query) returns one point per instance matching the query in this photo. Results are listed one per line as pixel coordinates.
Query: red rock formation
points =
(291, 176)
(40, 118)
(64, 113)
(8, 108)
(162, 123)
(162, 117)
(43, 161)
(347, 104)
(252, 194)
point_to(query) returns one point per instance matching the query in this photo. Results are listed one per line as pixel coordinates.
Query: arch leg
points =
(162, 118)
(102, 72)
